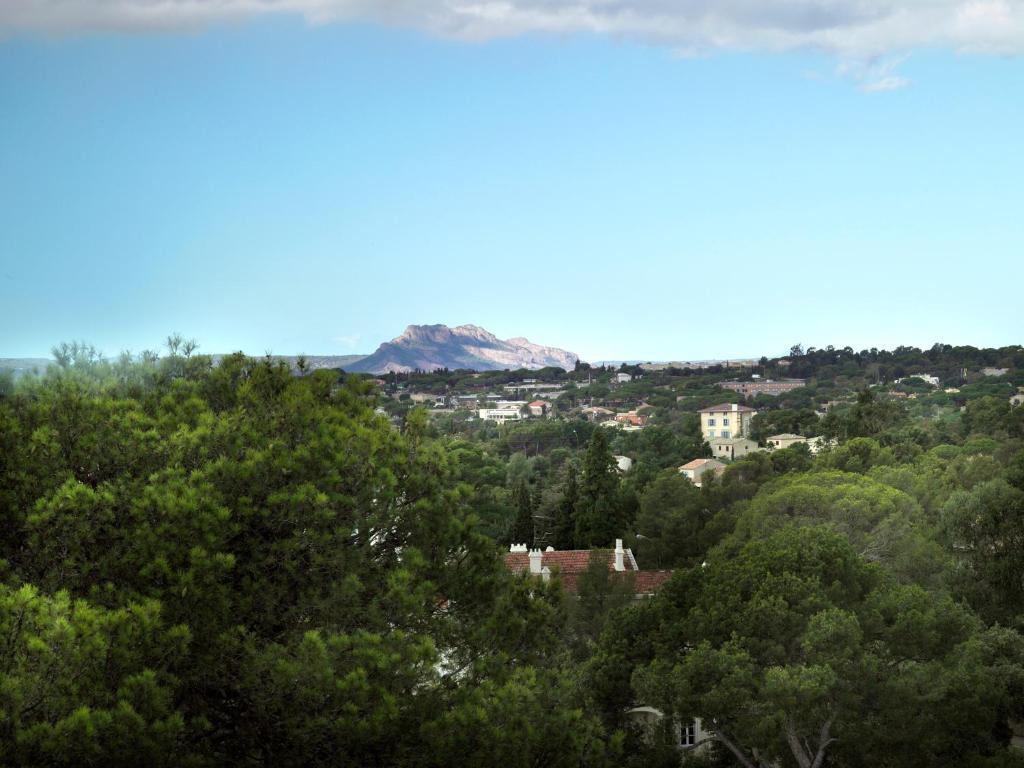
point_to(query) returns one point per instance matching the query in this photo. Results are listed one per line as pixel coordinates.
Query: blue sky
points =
(268, 184)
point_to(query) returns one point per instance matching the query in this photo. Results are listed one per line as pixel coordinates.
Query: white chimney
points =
(735, 406)
(517, 548)
(620, 555)
(535, 561)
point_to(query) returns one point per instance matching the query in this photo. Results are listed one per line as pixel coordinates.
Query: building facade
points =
(727, 420)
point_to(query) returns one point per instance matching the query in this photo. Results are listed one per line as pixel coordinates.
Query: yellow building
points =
(727, 420)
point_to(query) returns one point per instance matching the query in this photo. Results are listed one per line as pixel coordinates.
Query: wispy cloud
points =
(349, 341)
(875, 75)
(852, 30)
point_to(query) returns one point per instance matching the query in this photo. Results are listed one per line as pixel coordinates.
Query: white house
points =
(695, 469)
(927, 378)
(785, 440)
(732, 447)
(501, 415)
(623, 378)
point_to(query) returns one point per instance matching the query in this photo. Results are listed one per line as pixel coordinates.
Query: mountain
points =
(426, 347)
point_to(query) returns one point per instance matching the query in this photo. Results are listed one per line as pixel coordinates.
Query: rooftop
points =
(728, 408)
(698, 463)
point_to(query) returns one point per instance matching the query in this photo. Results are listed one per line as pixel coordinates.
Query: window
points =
(711, 422)
(725, 422)
(688, 734)
(711, 433)
(725, 433)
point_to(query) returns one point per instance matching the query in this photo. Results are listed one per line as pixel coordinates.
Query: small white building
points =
(927, 378)
(694, 470)
(785, 440)
(623, 378)
(732, 447)
(624, 463)
(501, 415)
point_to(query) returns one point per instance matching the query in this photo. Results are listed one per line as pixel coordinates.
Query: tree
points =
(522, 526)
(671, 519)
(796, 649)
(985, 531)
(565, 512)
(597, 514)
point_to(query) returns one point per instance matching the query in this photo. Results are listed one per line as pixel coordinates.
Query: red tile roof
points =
(726, 407)
(571, 563)
(567, 560)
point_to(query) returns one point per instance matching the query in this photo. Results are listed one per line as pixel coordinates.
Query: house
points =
(427, 397)
(631, 418)
(570, 563)
(696, 468)
(726, 420)
(539, 408)
(623, 378)
(925, 377)
(994, 371)
(785, 440)
(763, 386)
(530, 385)
(596, 413)
(691, 736)
(624, 463)
(505, 411)
(1017, 399)
(732, 447)
(623, 425)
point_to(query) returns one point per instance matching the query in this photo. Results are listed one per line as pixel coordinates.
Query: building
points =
(531, 385)
(689, 737)
(623, 378)
(696, 468)
(624, 463)
(596, 413)
(763, 386)
(927, 378)
(732, 447)
(539, 408)
(632, 418)
(726, 420)
(1017, 399)
(503, 413)
(785, 440)
(994, 371)
(570, 563)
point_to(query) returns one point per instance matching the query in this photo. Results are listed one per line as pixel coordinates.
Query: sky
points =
(623, 179)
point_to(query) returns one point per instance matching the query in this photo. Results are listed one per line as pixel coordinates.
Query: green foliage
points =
(794, 642)
(598, 514)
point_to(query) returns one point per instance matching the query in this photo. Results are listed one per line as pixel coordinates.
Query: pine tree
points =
(522, 526)
(565, 513)
(597, 510)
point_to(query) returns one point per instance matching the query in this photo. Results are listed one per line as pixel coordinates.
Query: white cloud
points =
(350, 340)
(852, 30)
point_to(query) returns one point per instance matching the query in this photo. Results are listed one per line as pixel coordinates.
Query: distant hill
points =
(23, 365)
(427, 347)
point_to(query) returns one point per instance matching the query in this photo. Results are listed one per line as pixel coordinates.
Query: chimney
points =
(620, 555)
(535, 560)
(517, 548)
(735, 407)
